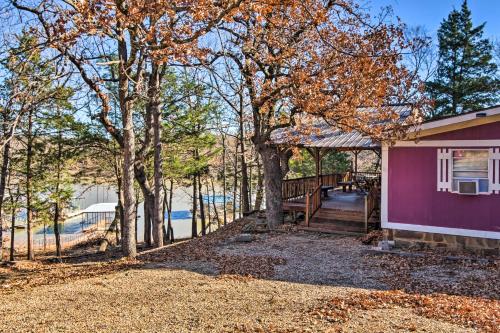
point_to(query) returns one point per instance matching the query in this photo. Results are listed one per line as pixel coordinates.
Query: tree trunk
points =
(3, 181)
(202, 208)
(29, 212)
(170, 229)
(148, 209)
(56, 231)
(119, 230)
(224, 179)
(12, 232)
(106, 241)
(154, 96)
(240, 204)
(259, 192)
(166, 237)
(209, 213)
(245, 200)
(250, 185)
(136, 217)
(44, 237)
(194, 222)
(216, 212)
(120, 198)
(148, 194)
(13, 220)
(128, 237)
(235, 184)
(273, 180)
(57, 203)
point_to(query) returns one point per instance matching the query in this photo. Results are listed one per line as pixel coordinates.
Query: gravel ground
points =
(167, 300)
(398, 320)
(271, 284)
(313, 258)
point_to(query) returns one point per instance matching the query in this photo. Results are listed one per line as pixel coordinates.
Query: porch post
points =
(317, 160)
(356, 152)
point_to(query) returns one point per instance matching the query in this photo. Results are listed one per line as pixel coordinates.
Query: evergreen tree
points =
(32, 84)
(190, 143)
(303, 165)
(465, 78)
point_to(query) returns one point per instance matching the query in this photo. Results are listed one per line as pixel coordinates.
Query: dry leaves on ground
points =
(258, 266)
(478, 313)
(242, 328)
(372, 238)
(31, 274)
(204, 249)
(433, 272)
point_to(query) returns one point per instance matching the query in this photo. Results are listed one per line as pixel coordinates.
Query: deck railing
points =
(307, 189)
(372, 175)
(332, 179)
(299, 187)
(313, 203)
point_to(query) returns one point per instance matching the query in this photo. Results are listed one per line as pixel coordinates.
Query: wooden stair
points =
(339, 215)
(337, 221)
(338, 226)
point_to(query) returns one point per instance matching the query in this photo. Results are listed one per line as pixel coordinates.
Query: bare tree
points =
(312, 58)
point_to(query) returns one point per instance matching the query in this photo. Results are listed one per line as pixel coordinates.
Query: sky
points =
(430, 13)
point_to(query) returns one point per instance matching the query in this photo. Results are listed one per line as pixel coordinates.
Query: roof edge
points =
(456, 122)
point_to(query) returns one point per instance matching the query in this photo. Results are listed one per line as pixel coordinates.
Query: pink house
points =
(438, 187)
(441, 186)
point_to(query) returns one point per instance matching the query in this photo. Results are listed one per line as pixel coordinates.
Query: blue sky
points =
(430, 13)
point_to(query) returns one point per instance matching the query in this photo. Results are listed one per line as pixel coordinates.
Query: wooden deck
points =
(340, 212)
(336, 200)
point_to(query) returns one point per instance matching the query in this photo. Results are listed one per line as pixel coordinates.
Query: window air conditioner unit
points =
(470, 187)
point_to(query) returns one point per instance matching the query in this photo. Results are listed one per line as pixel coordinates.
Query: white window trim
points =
(494, 170)
(488, 170)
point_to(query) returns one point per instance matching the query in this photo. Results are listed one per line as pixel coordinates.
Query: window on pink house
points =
(470, 165)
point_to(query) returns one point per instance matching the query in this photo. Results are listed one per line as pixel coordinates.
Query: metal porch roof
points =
(327, 136)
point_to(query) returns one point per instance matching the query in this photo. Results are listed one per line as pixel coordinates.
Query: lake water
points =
(87, 196)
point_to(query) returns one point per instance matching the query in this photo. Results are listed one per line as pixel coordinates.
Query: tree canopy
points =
(466, 77)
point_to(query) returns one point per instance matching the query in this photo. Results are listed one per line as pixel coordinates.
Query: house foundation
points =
(428, 240)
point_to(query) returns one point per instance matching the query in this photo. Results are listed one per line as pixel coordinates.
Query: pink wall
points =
(482, 132)
(413, 197)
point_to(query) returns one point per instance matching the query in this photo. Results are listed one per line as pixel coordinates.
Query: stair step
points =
(332, 231)
(337, 225)
(335, 215)
(341, 217)
(318, 219)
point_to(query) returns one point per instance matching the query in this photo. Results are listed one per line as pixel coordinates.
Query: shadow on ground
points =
(286, 255)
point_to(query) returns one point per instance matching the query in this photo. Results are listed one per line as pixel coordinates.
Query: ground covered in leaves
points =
(280, 281)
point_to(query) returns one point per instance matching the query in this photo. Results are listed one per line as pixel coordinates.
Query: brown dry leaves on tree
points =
(302, 58)
(85, 33)
(167, 30)
(479, 313)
